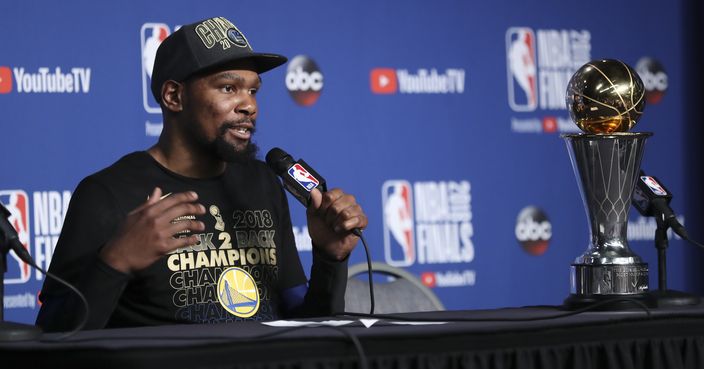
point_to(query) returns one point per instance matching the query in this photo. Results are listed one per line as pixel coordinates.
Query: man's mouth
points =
(242, 131)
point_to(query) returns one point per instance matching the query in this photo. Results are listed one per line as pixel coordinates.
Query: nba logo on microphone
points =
(522, 69)
(654, 185)
(399, 229)
(17, 203)
(301, 175)
(152, 34)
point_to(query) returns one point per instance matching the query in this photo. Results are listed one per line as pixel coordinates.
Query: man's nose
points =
(248, 105)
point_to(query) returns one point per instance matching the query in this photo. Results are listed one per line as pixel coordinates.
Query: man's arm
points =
(99, 247)
(332, 216)
(91, 217)
(323, 295)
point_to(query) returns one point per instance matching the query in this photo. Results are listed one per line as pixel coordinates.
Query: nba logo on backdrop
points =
(17, 203)
(522, 69)
(399, 241)
(152, 34)
(539, 65)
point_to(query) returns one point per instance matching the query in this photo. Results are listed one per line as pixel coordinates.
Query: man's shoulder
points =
(252, 179)
(254, 167)
(134, 162)
(120, 174)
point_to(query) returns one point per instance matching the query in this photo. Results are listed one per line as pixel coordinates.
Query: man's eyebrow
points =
(234, 77)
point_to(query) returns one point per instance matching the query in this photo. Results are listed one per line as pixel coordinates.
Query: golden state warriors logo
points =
(237, 292)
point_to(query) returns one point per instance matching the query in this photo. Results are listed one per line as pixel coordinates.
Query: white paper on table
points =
(298, 323)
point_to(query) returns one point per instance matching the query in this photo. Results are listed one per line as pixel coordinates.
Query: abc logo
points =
(533, 230)
(654, 78)
(304, 80)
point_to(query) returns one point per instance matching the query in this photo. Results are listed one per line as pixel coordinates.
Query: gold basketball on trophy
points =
(605, 96)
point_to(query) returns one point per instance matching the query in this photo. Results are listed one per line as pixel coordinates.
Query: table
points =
(500, 338)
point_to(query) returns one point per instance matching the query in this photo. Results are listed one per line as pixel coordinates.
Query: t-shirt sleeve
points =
(291, 270)
(91, 220)
(324, 293)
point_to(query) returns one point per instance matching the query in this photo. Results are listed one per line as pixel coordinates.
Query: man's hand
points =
(148, 232)
(331, 218)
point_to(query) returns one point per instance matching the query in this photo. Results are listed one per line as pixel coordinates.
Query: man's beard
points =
(233, 153)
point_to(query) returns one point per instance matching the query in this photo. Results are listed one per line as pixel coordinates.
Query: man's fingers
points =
(344, 206)
(350, 218)
(328, 199)
(155, 196)
(181, 210)
(180, 242)
(152, 199)
(341, 212)
(169, 200)
(185, 225)
(316, 199)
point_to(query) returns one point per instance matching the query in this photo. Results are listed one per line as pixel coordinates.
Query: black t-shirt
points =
(245, 260)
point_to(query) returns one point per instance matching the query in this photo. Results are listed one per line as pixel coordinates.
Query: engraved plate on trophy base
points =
(609, 279)
(592, 284)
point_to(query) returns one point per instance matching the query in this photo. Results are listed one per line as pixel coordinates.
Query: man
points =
(213, 240)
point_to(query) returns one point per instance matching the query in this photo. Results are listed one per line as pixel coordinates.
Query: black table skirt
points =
(482, 339)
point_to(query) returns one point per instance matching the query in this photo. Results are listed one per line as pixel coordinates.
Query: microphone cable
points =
(591, 307)
(358, 232)
(86, 311)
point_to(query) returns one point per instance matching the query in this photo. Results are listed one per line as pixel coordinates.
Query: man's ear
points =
(172, 95)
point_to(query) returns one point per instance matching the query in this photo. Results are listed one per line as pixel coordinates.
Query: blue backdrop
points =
(442, 118)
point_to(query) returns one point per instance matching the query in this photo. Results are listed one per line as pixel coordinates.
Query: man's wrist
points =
(333, 258)
(319, 252)
(113, 261)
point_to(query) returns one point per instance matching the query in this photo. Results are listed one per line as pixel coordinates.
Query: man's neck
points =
(186, 162)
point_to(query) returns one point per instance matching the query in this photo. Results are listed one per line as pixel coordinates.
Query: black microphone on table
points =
(8, 235)
(298, 177)
(652, 199)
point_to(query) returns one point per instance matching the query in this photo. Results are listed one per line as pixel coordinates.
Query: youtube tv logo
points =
(383, 81)
(388, 81)
(550, 124)
(5, 80)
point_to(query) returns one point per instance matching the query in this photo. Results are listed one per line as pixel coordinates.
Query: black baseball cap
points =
(206, 44)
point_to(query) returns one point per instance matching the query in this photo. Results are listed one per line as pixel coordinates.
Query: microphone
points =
(8, 234)
(298, 177)
(652, 199)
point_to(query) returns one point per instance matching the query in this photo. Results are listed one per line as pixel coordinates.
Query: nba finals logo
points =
(522, 69)
(539, 65)
(399, 241)
(16, 202)
(152, 34)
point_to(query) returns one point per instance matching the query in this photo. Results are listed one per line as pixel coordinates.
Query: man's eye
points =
(228, 89)
(253, 91)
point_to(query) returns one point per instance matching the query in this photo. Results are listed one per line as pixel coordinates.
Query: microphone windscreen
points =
(279, 160)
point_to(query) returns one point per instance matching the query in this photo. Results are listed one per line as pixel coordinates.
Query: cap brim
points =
(266, 62)
(260, 62)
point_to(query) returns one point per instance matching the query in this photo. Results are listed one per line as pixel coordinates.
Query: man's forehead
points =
(243, 75)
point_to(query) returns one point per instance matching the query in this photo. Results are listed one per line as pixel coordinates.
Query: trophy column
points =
(606, 167)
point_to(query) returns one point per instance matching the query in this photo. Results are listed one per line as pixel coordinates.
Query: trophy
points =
(605, 99)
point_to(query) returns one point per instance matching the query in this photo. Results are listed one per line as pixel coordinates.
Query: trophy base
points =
(672, 298)
(608, 302)
(609, 279)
